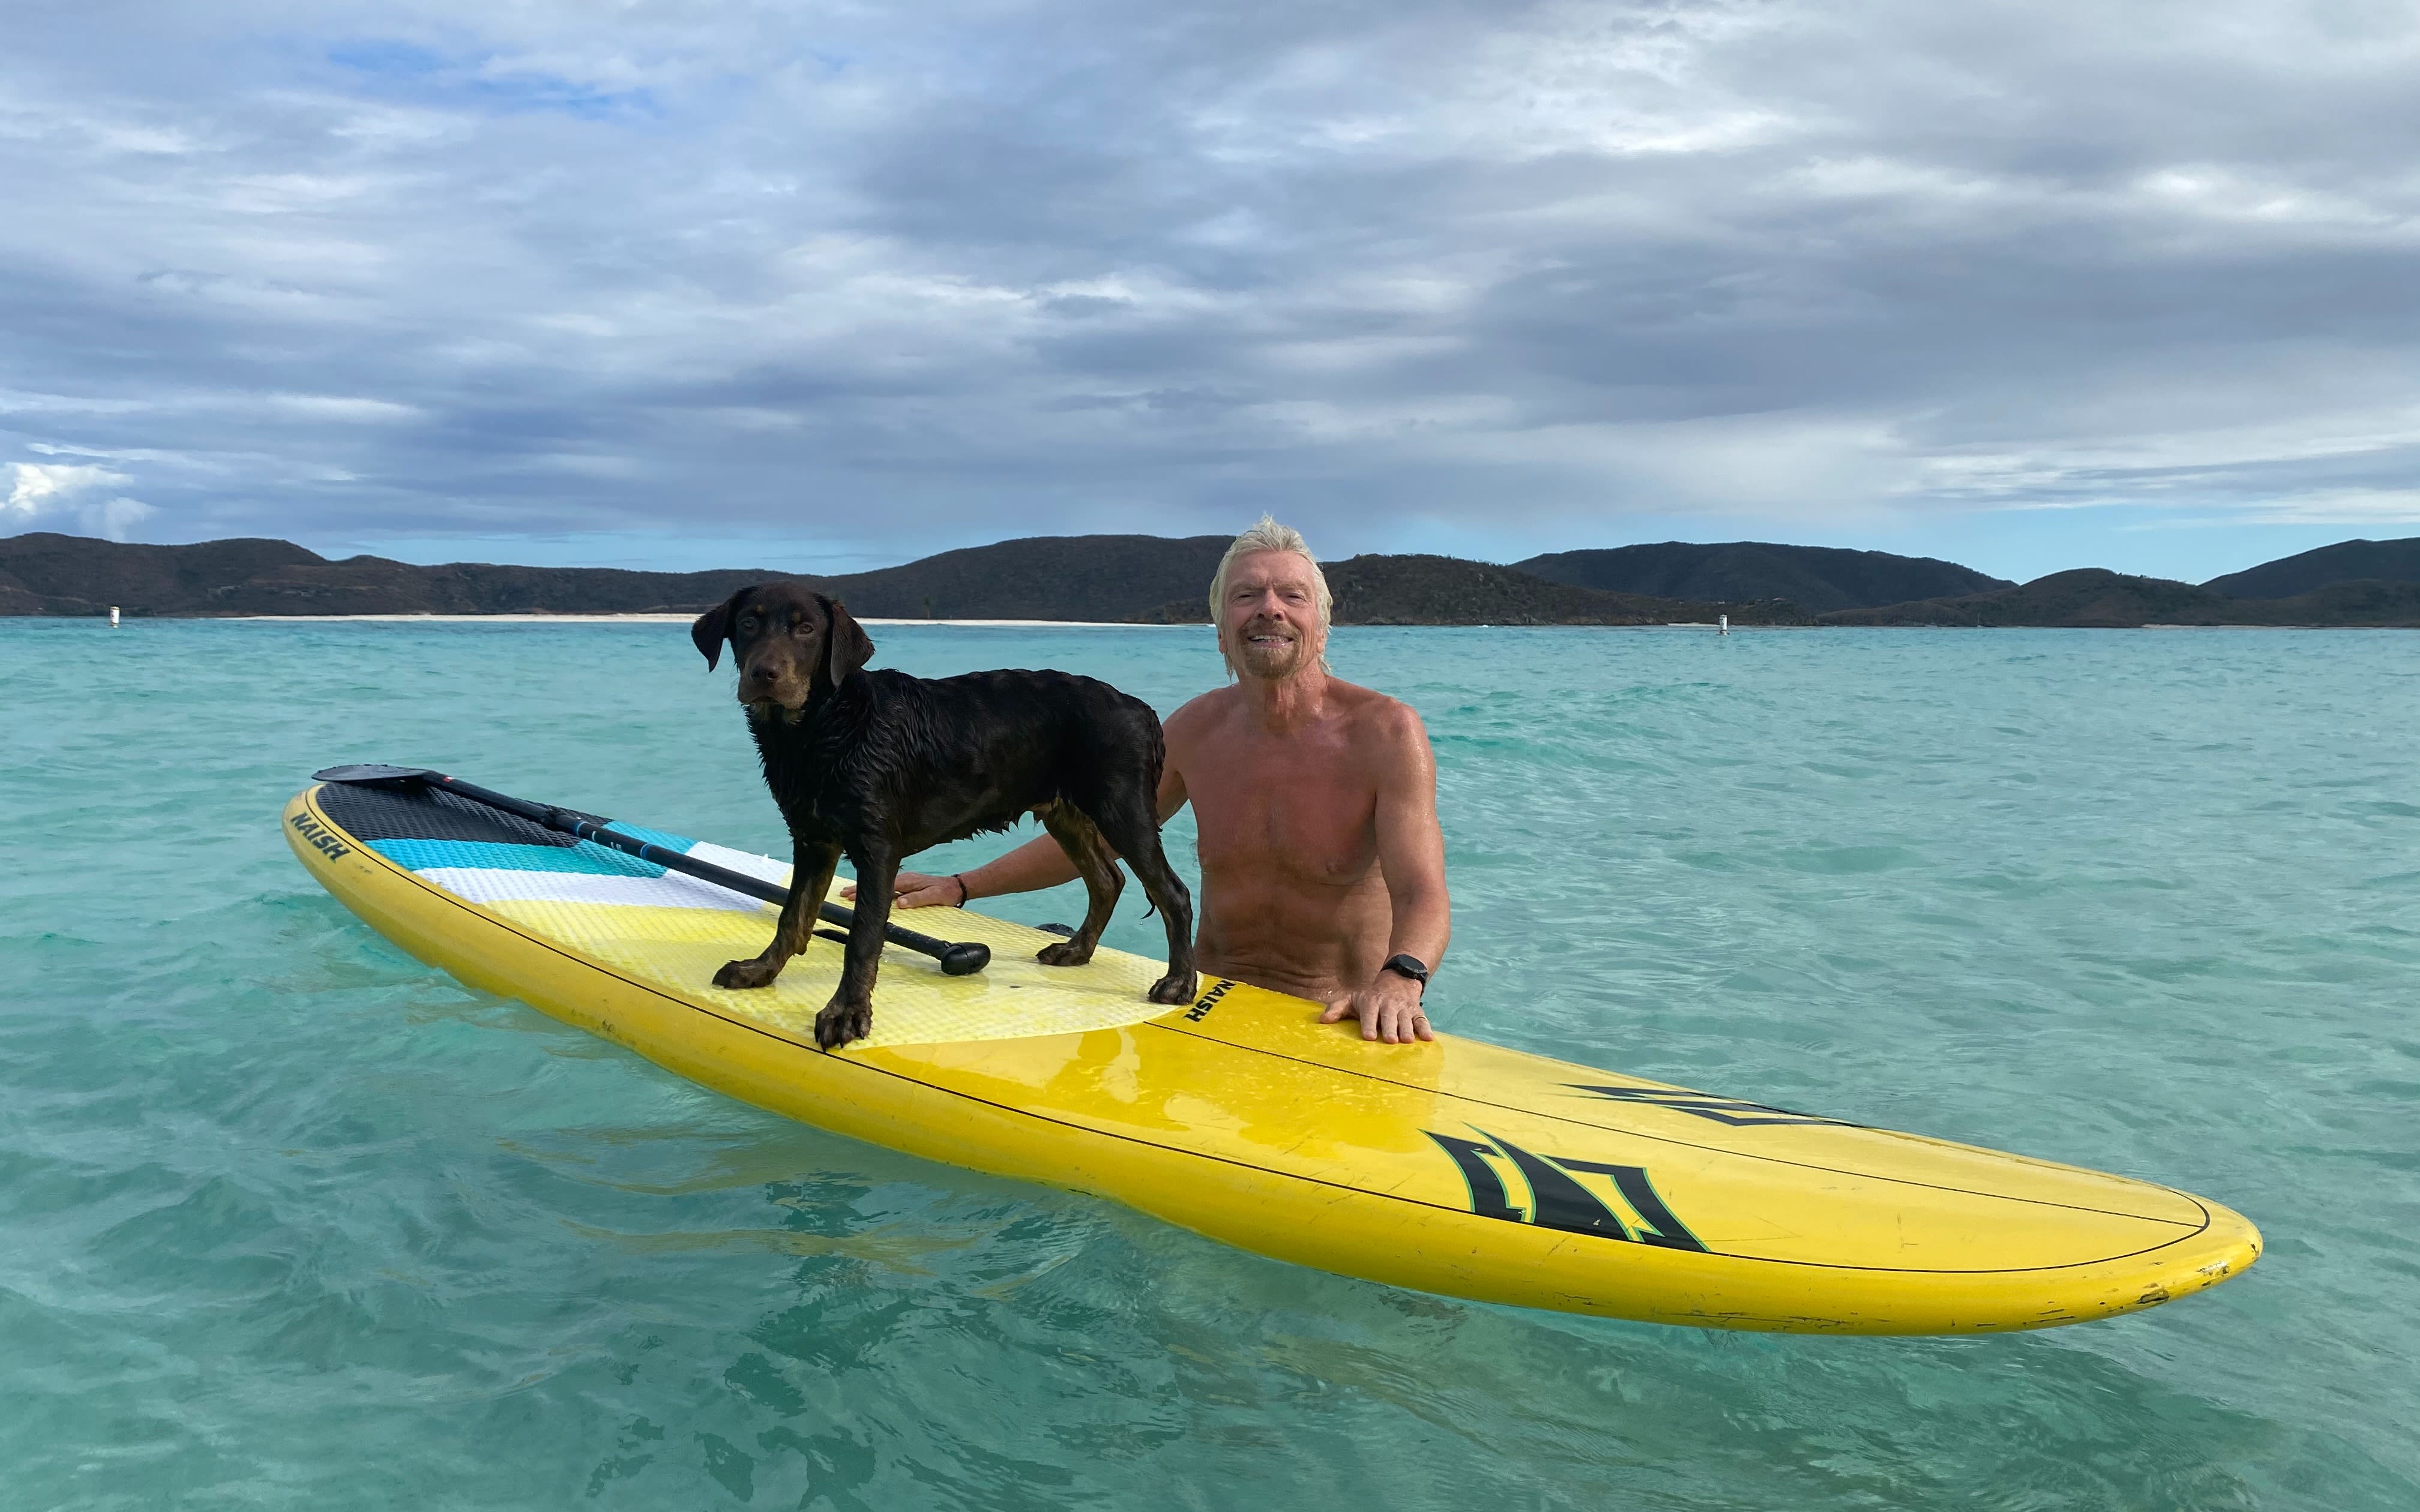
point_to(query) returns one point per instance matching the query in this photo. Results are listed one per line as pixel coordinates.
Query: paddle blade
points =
(374, 773)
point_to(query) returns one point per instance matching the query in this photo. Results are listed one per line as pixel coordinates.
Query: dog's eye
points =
(747, 622)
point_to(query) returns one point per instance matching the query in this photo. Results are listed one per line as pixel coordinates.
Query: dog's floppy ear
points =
(713, 627)
(846, 646)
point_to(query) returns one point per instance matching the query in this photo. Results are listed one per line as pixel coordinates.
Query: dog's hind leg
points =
(1128, 823)
(810, 875)
(1081, 839)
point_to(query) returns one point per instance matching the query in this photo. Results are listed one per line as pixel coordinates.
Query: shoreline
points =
(976, 624)
(626, 619)
(649, 617)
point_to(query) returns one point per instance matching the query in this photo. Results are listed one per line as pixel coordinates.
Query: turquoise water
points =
(287, 1220)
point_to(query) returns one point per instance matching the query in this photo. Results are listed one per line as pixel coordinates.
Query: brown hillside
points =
(2091, 598)
(1428, 590)
(2083, 598)
(1816, 579)
(72, 575)
(1099, 577)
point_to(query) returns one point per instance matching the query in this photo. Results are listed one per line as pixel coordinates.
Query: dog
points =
(878, 765)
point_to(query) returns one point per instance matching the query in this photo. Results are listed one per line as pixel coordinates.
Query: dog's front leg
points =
(810, 875)
(849, 1015)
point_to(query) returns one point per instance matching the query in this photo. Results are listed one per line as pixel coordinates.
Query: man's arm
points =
(1411, 856)
(1035, 865)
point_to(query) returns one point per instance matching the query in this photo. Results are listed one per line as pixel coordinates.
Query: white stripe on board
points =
(488, 885)
(747, 863)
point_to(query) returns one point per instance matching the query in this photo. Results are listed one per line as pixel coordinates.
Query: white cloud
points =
(451, 264)
(344, 407)
(41, 492)
(41, 486)
(116, 518)
(2343, 507)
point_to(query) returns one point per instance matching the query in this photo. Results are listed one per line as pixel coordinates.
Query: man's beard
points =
(1270, 662)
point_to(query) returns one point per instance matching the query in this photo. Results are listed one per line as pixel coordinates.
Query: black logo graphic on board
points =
(1729, 1110)
(1557, 1200)
(323, 838)
(1209, 1000)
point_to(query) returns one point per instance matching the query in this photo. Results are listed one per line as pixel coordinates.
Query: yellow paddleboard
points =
(1454, 1166)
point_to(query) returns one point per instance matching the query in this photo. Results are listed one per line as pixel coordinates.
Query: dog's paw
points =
(1064, 954)
(1172, 989)
(754, 972)
(840, 1023)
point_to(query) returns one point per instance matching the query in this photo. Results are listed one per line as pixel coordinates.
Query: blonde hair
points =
(1268, 535)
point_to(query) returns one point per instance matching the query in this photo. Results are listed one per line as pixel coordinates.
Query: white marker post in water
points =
(1725, 626)
(113, 616)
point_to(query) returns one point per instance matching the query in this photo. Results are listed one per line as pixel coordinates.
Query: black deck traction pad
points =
(370, 814)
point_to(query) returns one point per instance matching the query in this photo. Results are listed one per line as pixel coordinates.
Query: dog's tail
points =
(1157, 752)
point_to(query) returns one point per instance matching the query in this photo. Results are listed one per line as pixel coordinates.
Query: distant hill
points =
(1149, 577)
(1817, 579)
(2092, 598)
(1065, 577)
(1098, 578)
(2088, 596)
(2365, 602)
(2393, 562)
(1428, 590)
(1106, 578)
(72, 575)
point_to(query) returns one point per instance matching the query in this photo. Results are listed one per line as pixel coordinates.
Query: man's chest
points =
(1278, 811)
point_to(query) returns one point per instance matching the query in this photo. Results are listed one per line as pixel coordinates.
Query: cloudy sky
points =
(699, 283)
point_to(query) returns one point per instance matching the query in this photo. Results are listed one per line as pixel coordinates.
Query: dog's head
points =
(786, 641)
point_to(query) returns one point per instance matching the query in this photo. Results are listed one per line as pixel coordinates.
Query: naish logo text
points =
(1209, 1000)
(323, 838)
(1557, 1196)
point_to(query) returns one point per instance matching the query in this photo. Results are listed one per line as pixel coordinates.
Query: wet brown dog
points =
(879, 765)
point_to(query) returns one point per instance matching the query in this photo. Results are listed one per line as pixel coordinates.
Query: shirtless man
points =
(1322, 864)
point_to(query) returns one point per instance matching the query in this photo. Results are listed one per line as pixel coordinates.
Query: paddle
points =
(959, 958)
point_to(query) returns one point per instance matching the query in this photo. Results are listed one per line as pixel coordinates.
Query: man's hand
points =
(1388, 1008)
(915, 890)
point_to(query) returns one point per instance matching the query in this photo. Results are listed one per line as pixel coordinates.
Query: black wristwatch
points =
(1408, 965)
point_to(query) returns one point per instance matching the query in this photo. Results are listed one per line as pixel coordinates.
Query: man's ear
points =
(713, 627)
(845, 645)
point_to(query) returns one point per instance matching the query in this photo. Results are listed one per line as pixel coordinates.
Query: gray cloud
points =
(1548, 274)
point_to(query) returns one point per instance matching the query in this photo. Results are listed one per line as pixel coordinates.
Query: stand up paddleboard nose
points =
(959, 958)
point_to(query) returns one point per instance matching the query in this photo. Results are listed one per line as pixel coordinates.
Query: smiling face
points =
(1268, 623)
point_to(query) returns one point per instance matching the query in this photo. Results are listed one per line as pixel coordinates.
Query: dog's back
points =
(979, 751)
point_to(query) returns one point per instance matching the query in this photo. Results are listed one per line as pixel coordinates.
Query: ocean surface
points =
(288, 1220)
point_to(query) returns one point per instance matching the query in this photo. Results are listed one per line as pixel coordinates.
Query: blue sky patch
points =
(433, 77)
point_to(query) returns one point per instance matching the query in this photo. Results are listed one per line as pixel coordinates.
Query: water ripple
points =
(291, 1221)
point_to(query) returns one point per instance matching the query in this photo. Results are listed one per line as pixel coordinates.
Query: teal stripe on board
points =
(595, 860)
(664, 838)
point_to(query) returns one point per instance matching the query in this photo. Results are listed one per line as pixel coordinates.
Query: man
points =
(1323, 869)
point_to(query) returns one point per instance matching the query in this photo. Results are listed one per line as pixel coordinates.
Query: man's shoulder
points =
(1208, 704)
(1197, 715)
(1375, 714)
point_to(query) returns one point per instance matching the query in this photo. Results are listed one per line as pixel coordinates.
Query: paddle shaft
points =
(957, 957)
